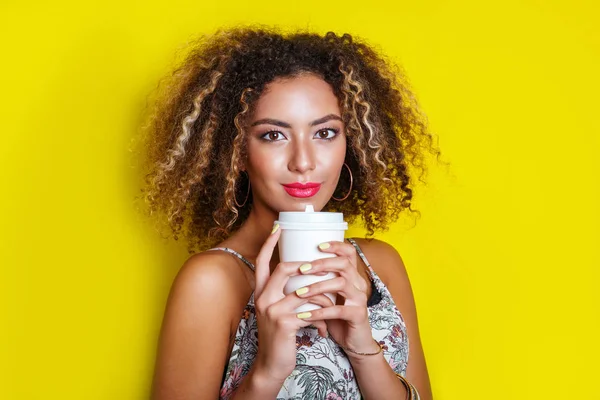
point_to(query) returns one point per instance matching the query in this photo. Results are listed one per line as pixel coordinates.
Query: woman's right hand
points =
(275, 314)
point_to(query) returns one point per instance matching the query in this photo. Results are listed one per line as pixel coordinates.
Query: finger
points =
(330, 264)
(292, 301)
(278, 279)
(288, 305)
(353, 314)
(336, 285)
(263, 270)
(339, 265)
(320, 300)
(285, 314)
(321, 328)
(341, 249)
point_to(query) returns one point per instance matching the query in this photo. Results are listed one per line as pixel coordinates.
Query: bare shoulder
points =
(207, 295)
(384, 259)
(208, 274)
(209, 277)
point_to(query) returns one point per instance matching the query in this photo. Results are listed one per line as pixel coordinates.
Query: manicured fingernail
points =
(275, 228)
(324, 246)
(305, 267)
(302, 291)
(304, 315)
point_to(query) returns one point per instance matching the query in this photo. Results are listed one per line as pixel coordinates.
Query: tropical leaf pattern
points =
(315, 381)
(323, 371)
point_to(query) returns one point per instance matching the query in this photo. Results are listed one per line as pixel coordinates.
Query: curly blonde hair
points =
(195, 144)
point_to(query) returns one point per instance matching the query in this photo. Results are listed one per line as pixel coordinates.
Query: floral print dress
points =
(323, 371)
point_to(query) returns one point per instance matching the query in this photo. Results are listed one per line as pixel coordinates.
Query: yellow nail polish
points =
(275, 229)
(324, 246)
(304, 315)
(305, 267)
(302, 291)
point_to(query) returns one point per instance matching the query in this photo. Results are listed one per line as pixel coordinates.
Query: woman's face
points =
(296, 144)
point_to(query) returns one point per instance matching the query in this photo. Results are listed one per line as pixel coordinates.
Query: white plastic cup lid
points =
(311, 220)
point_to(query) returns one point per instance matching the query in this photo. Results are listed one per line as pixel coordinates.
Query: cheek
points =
(333, 157)
(264, 162)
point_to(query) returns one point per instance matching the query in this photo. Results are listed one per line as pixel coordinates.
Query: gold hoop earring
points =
(247, 195)
(351, 183)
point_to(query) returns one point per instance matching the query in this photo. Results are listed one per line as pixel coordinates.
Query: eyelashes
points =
(327, 131)
(322, 134)
(272, 136)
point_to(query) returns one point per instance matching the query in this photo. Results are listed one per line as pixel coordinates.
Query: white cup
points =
(301, 234)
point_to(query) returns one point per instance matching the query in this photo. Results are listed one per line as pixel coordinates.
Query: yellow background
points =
(504, 262)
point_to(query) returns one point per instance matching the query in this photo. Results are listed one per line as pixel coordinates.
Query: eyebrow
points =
(276, 122)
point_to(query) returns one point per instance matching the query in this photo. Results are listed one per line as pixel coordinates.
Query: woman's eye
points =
(273, 136)
(326, 134)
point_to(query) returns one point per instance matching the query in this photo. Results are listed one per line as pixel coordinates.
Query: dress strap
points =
(234, 253)
(376, 294)
(362, 257)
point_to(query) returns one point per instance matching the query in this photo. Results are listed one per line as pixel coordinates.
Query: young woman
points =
(252, 123)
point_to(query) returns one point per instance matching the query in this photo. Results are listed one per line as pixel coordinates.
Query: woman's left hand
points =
(348, 323)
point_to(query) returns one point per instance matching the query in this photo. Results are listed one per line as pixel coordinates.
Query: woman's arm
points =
(376, 379)
(194, 342)
(388, 264)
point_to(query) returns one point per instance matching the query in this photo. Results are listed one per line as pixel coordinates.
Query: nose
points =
(302, 157)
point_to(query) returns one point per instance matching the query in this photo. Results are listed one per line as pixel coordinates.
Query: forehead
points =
(304, 96)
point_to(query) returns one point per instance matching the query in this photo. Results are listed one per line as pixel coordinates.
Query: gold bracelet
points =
(358, 352)
(410, 389)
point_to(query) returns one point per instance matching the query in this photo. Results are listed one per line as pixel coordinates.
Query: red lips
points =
(302, 190)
